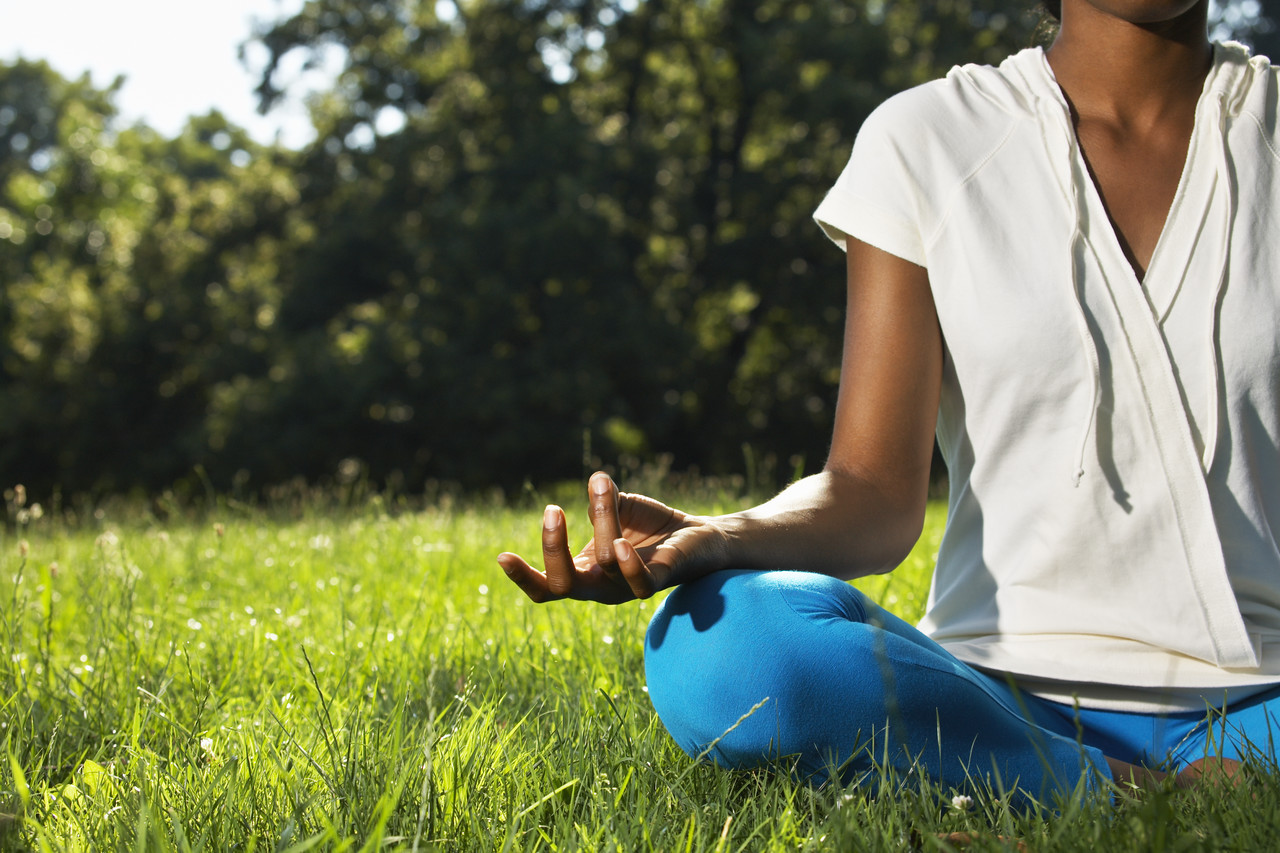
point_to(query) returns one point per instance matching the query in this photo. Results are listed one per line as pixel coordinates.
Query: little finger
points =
(532, 582)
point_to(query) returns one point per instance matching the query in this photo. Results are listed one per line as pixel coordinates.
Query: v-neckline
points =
(1151, 281)
(1160, 289)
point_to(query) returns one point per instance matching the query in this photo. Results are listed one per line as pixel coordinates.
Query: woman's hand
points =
(639, 546)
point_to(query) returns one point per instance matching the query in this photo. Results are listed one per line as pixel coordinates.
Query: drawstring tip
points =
(1077, 477)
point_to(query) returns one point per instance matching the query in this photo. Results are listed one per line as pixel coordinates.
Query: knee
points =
(732, 658)
(727, 614)
(725, 602)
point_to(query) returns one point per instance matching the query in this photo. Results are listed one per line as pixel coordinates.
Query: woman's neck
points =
(1132, 62)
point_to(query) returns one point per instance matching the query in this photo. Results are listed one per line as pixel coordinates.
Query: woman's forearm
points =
(832, 523)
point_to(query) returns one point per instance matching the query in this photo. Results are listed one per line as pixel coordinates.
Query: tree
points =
(591, 216)
(115, 246)
(531, 236)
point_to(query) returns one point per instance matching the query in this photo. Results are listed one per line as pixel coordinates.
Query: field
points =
(352, 672)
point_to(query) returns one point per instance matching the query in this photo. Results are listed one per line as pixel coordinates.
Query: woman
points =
(1062, 266)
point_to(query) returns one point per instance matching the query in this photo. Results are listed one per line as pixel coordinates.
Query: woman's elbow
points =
(892, 514)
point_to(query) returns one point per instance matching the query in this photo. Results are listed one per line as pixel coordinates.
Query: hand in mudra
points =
(639, 546)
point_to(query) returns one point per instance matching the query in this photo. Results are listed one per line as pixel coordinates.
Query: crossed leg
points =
(753, 668)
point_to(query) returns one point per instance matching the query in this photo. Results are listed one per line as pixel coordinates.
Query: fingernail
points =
(550, 517)
(600, 485)
(622, 549)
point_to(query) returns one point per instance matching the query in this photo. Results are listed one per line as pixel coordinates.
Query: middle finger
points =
(604, 519)
(557, 562)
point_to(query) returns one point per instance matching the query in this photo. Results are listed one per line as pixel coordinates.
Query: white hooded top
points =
(1113, 444)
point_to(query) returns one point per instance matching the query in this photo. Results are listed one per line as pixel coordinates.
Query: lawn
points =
(353, 672)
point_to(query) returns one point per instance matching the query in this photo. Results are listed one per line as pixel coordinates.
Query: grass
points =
(359, 675)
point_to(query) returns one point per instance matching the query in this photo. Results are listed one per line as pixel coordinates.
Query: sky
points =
(179, 57)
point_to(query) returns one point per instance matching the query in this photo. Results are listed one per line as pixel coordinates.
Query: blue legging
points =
(759, 668)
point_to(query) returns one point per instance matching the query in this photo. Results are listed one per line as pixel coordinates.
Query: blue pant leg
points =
(1247, 731)
(835, 681)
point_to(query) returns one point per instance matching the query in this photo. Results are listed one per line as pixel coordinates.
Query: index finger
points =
(604, 519)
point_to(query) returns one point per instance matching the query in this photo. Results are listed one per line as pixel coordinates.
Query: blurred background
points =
(479, 242)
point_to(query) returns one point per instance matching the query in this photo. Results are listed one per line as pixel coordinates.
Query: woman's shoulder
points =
(1249, 87)
(977, 93)
(958, 119)
(1250, 81)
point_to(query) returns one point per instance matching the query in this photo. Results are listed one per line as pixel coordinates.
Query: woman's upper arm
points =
(890, 377)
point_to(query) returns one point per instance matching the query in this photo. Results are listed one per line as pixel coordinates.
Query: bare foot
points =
(1219, 772)
(962, 840)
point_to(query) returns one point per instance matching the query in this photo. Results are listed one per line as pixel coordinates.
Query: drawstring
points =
(1215, 383)
(1071, 188)
(1082, 321)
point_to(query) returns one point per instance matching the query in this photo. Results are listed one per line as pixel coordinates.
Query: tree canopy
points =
(531, 235)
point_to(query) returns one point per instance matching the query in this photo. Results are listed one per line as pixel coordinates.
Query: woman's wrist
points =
(726, 550)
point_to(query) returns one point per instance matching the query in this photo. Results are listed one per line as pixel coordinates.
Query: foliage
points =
(139, 279)
(577, 229)
(594, 216)
(529, 238)
(358, 674)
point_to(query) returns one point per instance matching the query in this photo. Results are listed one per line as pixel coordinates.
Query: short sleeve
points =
(877, 199)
